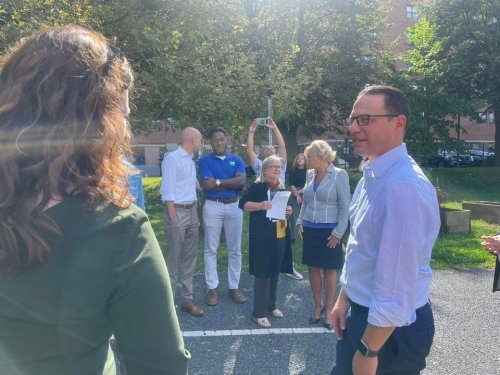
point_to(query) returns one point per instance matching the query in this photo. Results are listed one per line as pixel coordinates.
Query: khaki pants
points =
(182, 248)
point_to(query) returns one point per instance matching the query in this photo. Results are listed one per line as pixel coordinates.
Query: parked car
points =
(481, 154)
(465, 160)
(441, 159)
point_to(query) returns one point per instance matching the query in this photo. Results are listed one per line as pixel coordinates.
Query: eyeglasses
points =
(364, 120)
(274, 167)
(116, 50)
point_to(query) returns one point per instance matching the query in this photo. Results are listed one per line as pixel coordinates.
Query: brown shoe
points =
(211, 299)
(237, 296)
(188, 306)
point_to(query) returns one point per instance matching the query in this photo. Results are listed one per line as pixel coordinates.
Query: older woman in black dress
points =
(270, 249)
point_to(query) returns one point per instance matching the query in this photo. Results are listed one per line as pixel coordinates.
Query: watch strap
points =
(365, 350)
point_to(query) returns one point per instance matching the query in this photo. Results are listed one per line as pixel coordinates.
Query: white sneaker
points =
(295, 275)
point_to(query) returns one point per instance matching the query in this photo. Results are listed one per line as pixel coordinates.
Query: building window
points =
(484, 118)
(491, 118)
(411, 11)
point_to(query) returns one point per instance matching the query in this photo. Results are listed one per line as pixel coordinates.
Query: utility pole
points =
(270, 114)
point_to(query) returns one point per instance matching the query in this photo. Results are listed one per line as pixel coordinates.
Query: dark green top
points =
(106, 275)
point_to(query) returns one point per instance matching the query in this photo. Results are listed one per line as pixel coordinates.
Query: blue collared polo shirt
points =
(214, 167)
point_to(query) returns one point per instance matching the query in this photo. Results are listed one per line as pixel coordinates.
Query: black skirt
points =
(316, 253)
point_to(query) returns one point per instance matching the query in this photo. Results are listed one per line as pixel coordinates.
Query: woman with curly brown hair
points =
(78, 262)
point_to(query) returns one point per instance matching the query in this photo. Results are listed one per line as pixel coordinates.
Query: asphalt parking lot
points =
(227, 341)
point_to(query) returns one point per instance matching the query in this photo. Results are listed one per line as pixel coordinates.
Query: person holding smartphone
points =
(266, 150)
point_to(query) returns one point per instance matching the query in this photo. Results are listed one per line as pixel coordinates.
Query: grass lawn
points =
(461, 250)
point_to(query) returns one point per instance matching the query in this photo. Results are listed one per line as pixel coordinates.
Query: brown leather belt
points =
(224, 201)
(185, 206)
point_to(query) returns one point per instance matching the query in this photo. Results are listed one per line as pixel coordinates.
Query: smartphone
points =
(261, 121)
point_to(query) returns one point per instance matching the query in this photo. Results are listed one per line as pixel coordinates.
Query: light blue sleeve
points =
(135, 186)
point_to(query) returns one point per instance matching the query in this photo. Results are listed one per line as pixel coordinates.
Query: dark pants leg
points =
(273, 282)
(264, 287)
(403, 353)
(261, 289)
(346, 348)
(273, 286)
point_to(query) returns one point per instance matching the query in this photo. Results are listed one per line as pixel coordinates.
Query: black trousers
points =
(265, 286)
(403, 353)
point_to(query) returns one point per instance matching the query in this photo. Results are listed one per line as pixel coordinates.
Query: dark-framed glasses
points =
(364, 120)
(115, 50)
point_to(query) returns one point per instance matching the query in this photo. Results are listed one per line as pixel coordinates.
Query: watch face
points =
(365, 350)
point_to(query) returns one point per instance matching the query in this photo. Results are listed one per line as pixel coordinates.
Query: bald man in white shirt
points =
(180, 216)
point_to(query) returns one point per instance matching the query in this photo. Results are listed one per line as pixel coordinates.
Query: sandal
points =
(276, 313)
(262, 322)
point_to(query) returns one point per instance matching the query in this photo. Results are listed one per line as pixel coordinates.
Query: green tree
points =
(331, 51)
(126, 22)
(472, 49)
(436, 105)
(209, 62)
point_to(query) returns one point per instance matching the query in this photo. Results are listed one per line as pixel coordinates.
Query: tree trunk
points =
(496, 113)
(291, 145)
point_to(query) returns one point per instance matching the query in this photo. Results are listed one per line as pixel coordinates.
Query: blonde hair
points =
(321, 150)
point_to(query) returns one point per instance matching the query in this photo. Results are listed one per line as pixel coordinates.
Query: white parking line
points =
(261, 331)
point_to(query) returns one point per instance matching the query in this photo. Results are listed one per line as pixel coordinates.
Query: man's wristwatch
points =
(217, 182)
(365, 350)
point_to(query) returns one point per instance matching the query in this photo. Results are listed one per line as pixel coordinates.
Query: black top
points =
(297, 177)
(262, 237)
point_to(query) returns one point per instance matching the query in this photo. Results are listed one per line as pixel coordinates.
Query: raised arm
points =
(250, 143)
(279, 138)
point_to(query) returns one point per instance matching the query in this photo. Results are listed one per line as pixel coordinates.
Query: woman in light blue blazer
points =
(322, 221)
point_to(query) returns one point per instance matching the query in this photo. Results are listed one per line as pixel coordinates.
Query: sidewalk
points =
(227, 341)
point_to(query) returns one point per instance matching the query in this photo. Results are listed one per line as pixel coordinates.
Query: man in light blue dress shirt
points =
(382, 318)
